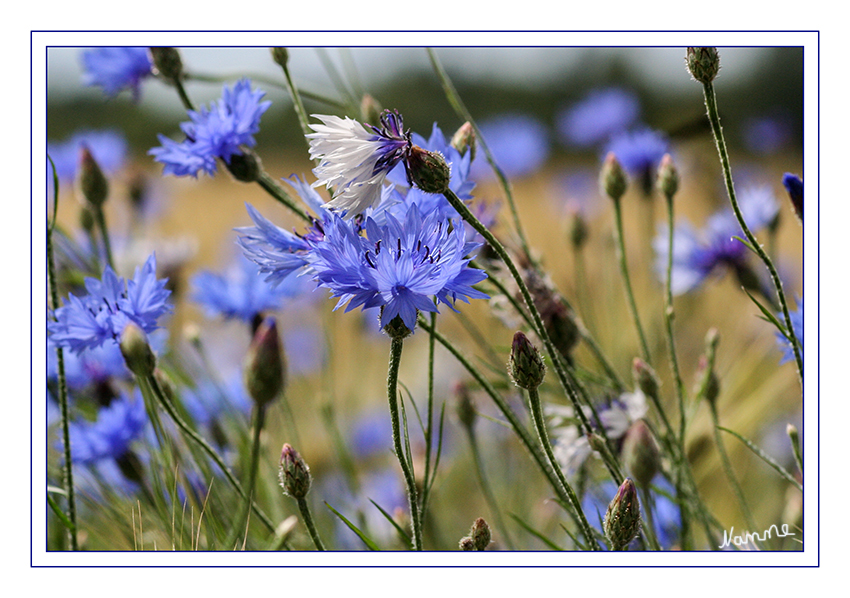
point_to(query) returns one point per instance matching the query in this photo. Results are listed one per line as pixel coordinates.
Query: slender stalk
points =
(720, 141)
(241, 519)
(181, 91)
(410, 481)
(486, 490)
(67, 465)
(543, 437)
(308, 521)
(430, 416)
(624, 272)
(296, 99)
(668, 320)
(460, 108)
(727, 469)
(648, 505)
(192, 435)
(104, 233)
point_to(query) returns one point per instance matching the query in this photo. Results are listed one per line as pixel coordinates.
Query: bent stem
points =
(409, 480)
(720, 142)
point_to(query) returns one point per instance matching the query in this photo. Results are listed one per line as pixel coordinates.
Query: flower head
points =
(115, 69)
(110, 436)
(519, 144)
(112, 302)
(599, 115)
(220, 131)
(356, 158)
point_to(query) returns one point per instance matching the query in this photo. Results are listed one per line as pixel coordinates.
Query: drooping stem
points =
(409, 480)
(307, 516)
(720, 141)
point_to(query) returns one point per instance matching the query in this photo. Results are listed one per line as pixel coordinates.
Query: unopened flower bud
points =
(264, 367)
(707, 385)
(370, 110)
(166, 385)
(640, 453)
(87, 221)
(597, 443)
(578, 230)
(612, 178)
(245, 167)
(526, 366)
(464, 140)
(167, 62)
(668, 177)
(428, 170)
(91, 182)
(622, 519)
(280, 55)
(480, 534)
(645, 378)
(466, 544)
(137, 353)
(703, 63)
(794, 185)
(464, 406)
(294, 473)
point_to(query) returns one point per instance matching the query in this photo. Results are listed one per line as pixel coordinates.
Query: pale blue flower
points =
(597, 116)
(115, 69)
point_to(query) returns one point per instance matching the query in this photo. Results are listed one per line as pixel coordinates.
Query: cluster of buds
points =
(478, 538)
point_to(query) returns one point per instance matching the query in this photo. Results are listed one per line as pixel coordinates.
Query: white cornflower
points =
(355, 159)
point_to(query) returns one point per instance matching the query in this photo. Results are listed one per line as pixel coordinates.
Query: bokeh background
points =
(338, 361)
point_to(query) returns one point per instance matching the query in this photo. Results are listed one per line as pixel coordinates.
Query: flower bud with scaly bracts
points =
(280, 55)
(622, 519)
(245, 167)
(466, 544)
(526, 366)
(167, 62)
(480, 534)
(703, 63)
(558, 318)
(265, 368)
(612, 177)
(91, 182)
(396, 328)
(464, 139)
(668, 177)
(641, 454)
(428, 170)
(294, 473)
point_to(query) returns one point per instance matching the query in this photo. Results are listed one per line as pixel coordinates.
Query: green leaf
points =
(404, 535)
(765, 457)
(369, 543)
(746, 244)
(535, 533)
(768, 315)
(62, 517)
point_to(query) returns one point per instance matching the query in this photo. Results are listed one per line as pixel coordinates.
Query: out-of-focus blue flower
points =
(90, 321)
(214, 132)
(305, 349)
(110, 436)
(696, 254)
(371, 434)
(115, 69)
(599, 115)
(242, 292)
(794, 185)
(356, 158)
(639, 152)
(519, 144)
(208, 401)
(109, 149)
(767, 134)
(797, 325)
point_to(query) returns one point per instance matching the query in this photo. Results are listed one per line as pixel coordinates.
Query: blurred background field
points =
(338, 361)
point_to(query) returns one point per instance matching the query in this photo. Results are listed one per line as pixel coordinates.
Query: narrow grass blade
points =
(366, 540)
(765, 457)
(535, 533)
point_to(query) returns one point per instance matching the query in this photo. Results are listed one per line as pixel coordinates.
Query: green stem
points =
(543, 437)
(668, 319)
(296, 100)
(244, 508)
(489, 497)
(727, 469)
(624, 272)
(461, 110)
(650, 520)
(192, 435)
(430, 415)
(308, 521)
(410, 481)
(104, 233)
(714, 118)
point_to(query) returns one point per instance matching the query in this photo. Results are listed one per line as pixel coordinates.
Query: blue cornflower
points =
(599, 115)
(639, 152)
(110, 436)
(356, 158)
(241, 293)
(797, 325)
(519, 144)
(108, 148)
(90, 321)
(208, 401)
(115, 69)
(214, 132)
(696, 254)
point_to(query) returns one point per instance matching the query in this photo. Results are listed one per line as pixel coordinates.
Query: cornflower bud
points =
(612, 178)
(464, 139)
(558, 318)
(464, 407)
(265, 368)
(668, 177)
(294, 473)
(280, 55)
(645, 378)
(466, 544)
(526, 366)
(167, 62)
(136, 351)
(707, 385)
(703, 63)
(245, 167)
(622, 519)
(578, 230)
(91, 182)
(370, 109)
(87, 221)
(480, 534)
(428, 170)
(640, 453)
